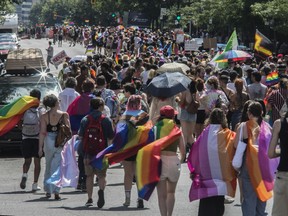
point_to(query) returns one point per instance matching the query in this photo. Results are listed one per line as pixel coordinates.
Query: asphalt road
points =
(15, 201)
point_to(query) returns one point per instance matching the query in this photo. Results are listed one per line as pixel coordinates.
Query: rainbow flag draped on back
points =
(261, 169)
(148, 162)
(127, 141)
(11, 114)
(272, 78)
(210, 162)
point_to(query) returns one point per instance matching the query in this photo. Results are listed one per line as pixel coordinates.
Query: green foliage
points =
(6, 8)
(273, 13)
(218, 16)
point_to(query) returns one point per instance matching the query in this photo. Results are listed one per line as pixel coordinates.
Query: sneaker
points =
(101, 200)
(57, 197)
(127, 202)
(35, 187)
(89, 202)
(48, 195)
(228, 200)
(140, 203)
(23, 182)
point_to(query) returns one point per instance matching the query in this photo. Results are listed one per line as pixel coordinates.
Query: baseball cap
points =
(168, 112)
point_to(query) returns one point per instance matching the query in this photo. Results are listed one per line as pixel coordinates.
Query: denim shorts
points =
(185, 116)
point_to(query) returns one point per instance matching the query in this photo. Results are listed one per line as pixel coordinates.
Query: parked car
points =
(5, 47)
(9, 37)
(14, 85)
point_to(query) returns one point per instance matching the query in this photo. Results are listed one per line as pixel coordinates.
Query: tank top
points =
(53, 128)
(172, 147)
(283, 165)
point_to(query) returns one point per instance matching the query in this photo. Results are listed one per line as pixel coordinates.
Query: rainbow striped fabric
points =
(148, 162)
(272, 78)
(127, 141)
(12, 113)
(210, 163)
(261, 169)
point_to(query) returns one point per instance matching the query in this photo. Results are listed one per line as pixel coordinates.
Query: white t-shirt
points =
(66, 97)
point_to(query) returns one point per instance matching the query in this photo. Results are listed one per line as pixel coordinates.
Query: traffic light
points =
(178, 17)
(54, 15)
(113, 15)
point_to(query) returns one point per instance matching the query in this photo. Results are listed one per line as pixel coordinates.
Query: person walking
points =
(188, 120)
(171, 164)
(96, 133)
(210, 165)
(67, 96)
(280, 198)
(50, 52)
(251, 159)
(30, 140)
(49, 128)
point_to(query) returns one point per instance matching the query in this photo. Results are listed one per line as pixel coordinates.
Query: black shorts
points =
(201, 116)
(30, 148)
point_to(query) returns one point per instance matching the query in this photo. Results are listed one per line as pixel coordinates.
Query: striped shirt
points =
(277, 99)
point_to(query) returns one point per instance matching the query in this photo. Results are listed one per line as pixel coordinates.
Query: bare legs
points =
(166, 197)
(188, 129)
(37, 167)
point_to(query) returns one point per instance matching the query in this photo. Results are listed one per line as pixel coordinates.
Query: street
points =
(14, 201)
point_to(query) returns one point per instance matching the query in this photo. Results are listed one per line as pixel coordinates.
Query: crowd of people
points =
(237, 103)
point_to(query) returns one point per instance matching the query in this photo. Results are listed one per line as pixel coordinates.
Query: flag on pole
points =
(262, 46)
(232, 43)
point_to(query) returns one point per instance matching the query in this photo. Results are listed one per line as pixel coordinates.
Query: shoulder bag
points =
(64, 133)
(241, 147)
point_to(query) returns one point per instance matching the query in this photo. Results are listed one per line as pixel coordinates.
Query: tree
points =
(35, 16)
(273, 13)
(7, 7)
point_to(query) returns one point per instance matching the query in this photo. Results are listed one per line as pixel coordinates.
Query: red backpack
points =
(94, 140)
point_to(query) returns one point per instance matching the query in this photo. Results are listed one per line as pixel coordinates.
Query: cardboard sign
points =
(210, 43)
(179, 38)
(191, 45)
(59, 58)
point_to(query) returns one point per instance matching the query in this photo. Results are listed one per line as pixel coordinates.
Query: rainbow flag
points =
(272, 78)
(210, 162)
(148, 162)
(127, 141)
(261, 169)
(12, 113)
(117, 58)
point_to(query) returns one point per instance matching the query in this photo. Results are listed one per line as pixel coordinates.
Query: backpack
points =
(192, 107)
(94, 140)
(31, 123)
(111, 101)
